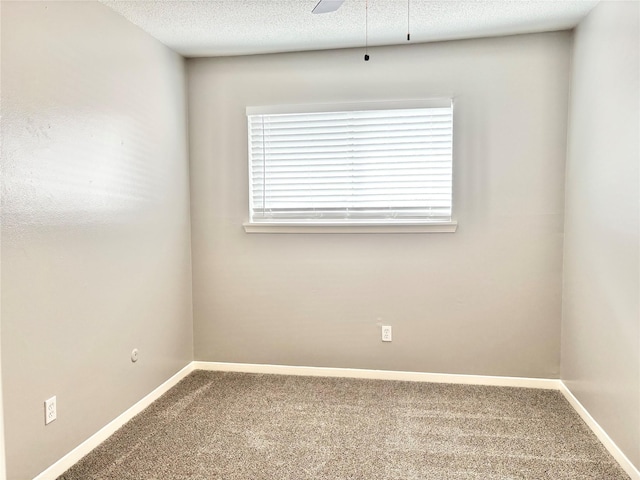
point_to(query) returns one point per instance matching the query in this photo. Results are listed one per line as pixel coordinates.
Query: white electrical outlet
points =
(386, 333)
(50, 410)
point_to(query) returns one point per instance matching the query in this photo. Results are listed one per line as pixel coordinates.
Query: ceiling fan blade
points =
(326, 6)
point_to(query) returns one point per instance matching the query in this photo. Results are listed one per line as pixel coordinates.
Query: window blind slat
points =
(380, 162)
(258, 139)
(353, 129)
(382, 115)
(371, 177)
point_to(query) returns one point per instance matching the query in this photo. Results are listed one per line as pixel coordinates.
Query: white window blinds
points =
(364, 165)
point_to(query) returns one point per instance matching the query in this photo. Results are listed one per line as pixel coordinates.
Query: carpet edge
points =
(600, 433)
(461, 379)
(76, 454)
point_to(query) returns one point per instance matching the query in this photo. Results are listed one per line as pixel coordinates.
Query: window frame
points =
(350, 226)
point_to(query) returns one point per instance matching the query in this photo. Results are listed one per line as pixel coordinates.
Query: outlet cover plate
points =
(50, 410)
(386, 333)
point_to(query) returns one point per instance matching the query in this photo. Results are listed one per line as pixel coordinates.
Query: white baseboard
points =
(71, 458)
(545, 383)
(606, 440)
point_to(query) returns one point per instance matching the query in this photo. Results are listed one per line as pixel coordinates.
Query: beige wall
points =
(601, 313)
(485, 300)
(96, 236)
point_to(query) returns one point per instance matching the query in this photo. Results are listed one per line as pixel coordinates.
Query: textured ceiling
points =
(242, 27)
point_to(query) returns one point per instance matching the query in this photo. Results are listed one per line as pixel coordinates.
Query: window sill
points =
(439, 227)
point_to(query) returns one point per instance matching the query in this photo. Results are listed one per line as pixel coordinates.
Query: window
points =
(364, 164)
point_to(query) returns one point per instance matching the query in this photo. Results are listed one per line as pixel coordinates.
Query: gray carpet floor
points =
(235, 426)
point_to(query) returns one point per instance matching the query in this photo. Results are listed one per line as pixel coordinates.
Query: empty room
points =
(335, 239)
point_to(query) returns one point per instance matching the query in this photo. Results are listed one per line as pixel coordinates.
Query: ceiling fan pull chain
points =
(366, 30)
(408, 24)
